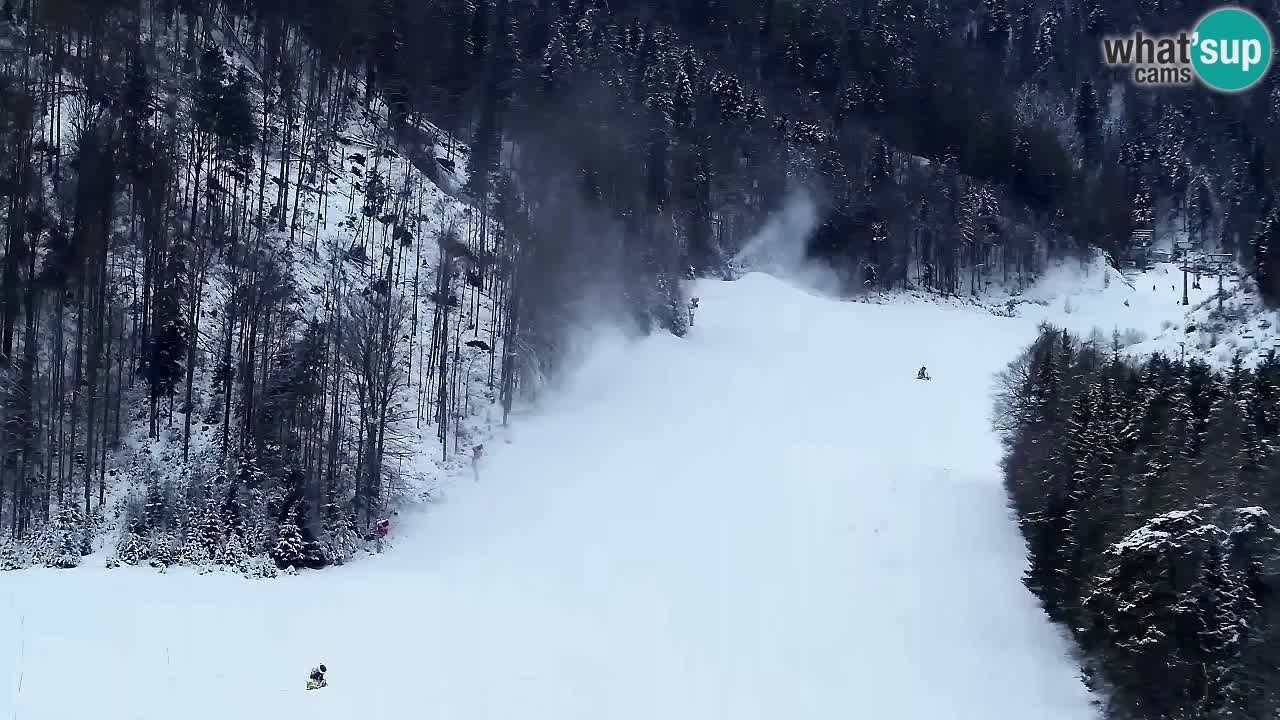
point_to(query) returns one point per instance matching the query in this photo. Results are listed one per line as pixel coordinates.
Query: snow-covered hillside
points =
(768, 518)
(1093, 295)
(1217, 329)
(379, 281)
(1146, 308)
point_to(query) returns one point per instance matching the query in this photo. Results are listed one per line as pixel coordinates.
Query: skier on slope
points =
(316, 680)
(923, 374)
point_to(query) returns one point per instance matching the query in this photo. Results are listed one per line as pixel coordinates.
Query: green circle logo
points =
(1231, 49)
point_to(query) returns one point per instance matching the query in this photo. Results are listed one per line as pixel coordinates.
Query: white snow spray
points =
(778, 248)
(779, 244)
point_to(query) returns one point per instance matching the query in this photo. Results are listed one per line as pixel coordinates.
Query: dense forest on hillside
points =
(1146, 493)
(225, 231)
(229, 300)
(952, 143)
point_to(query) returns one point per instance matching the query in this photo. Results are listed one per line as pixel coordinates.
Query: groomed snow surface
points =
(770, 518)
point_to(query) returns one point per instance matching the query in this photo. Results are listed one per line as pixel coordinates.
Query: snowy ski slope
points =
(770, 518)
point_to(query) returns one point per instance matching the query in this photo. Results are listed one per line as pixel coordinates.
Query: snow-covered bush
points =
(132, 548)
(233, 554)
(210, 530)
(344, 540)
(71, 539)
(193, 552)
(164, 550)
(260, 567)
(11, 556)
(290, 548)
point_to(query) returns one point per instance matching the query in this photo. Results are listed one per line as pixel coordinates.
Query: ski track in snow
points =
(770, 518)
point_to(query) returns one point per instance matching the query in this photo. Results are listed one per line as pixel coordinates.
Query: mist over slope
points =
(767, 518)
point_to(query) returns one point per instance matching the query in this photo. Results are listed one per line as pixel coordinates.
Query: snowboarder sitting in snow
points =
(317, 678)
(923, 374)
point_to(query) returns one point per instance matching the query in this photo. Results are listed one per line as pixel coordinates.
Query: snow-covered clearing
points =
(770, 518)
(1143, 306)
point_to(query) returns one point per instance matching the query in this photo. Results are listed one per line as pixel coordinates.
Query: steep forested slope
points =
(237, 303)
(1146, 491)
